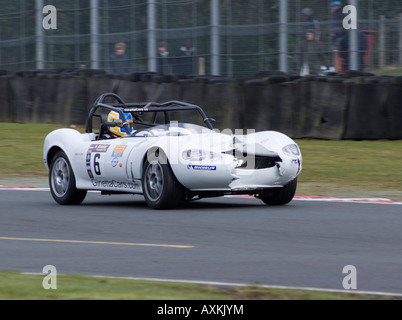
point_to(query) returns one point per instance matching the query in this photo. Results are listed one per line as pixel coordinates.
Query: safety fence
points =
(352, 105)
(231, 38)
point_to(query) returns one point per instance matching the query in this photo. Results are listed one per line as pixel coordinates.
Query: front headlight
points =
(200, 155)
(291, 150)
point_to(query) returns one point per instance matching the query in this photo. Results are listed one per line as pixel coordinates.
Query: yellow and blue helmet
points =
(119, 129)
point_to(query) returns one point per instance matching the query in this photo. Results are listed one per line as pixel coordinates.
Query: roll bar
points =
(138, 107)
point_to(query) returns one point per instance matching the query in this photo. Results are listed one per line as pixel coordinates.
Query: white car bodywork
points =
(205, 162)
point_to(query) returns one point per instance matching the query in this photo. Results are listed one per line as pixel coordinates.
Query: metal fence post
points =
(94, 34)
(400, 39)
(152, 65)
(382, 42)
(354, 43)
(283, 35)
(40, 36)
(215, 38)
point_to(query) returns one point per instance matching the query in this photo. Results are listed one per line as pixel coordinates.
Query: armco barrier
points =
(348, 106)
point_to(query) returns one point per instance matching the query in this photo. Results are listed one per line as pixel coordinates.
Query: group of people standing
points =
(183, 62)
(310, 58)
(311, 53)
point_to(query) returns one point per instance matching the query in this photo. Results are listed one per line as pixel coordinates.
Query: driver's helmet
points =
(120, 130)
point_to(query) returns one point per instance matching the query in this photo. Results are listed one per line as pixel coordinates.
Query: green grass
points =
(21, 147)
(18, 286)
(351, 168)
(394, 71)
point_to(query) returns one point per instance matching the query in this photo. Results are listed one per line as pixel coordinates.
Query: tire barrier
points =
(394, 109)
(352, 105)
(7, 99)
(367, 111)
(323, 103)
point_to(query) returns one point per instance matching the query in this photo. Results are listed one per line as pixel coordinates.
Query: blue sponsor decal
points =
(198, 167)
(115, 162)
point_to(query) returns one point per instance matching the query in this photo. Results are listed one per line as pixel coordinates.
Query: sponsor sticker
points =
(115, 162)
(199, 167)
(118, 151)
(99, 147)
(113, 184)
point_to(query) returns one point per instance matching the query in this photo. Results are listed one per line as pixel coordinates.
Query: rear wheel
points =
(62, 181)
(280, 196)
(160, 186)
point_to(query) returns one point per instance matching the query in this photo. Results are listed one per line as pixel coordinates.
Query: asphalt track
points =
(235, 240)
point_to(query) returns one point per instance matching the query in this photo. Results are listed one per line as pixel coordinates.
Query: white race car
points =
(169, 153)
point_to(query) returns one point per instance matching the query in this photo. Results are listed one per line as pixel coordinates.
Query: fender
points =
(68, 140)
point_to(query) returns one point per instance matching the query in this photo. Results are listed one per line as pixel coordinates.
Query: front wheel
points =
(280, 196)
(160, 186)
(62, 181)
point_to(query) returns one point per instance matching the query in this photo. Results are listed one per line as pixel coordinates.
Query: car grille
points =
(260, 162)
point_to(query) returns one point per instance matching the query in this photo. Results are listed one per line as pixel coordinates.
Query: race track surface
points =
(232, 240)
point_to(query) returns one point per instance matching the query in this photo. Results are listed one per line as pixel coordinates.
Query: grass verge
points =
(394, 71)
(18, 286)
(351, 168)
(21, 148)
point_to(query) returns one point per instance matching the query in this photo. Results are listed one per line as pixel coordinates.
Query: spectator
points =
(339, 37)
(311, 23)
(186, 62)
(344, 51)
(163, 59)
(337, 17)
(340, 40)
(311, 56)
(119, 62)
(309, 49)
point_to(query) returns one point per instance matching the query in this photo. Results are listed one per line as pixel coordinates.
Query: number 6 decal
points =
(98, 150)
(96, 164)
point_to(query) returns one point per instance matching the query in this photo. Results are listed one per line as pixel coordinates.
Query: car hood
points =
(225, 143)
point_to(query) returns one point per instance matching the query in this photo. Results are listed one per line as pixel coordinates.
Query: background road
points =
(236, 240)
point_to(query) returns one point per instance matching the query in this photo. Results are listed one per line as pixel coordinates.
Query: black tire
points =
(62, 181)
(160, 186)
(280, 196)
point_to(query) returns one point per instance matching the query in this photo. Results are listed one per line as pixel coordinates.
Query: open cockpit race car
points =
(169, 153)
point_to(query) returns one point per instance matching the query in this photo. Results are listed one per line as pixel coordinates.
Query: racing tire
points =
(160, 186)
(62, 181)
(280, 196)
